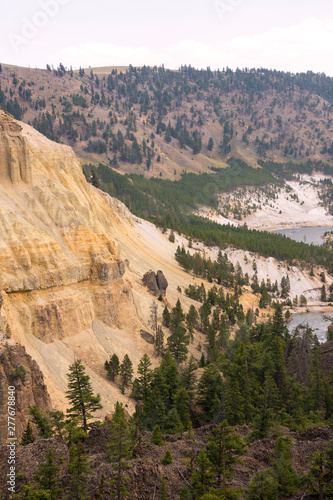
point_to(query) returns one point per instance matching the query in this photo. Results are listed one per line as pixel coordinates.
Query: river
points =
(306, 234)
(315, 321)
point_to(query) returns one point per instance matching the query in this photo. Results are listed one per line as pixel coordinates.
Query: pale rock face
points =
(55, 232)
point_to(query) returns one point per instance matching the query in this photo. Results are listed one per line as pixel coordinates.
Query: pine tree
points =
(113, 366)
(202, 478)
(178, 342)
(172, 423)
(163, 492)
(182, 404)
(46, 475)
(287, 479)
(142, 383)
(177, 316)
(43, 425)
(157, 436)
(57, 422)
(80, 394)
(167, 459)
(209, 391)
(126, 372)
(223, 451)
(28, 435)
(119, 449)
(188, 376)
(166, 317)
(78, 469)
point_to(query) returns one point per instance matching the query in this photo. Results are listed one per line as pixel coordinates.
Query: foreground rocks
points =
(30, 389)
(146, 470)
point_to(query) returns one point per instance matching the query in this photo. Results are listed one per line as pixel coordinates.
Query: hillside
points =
(158, 122)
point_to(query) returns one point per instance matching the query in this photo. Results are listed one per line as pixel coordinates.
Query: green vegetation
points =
(80, 394)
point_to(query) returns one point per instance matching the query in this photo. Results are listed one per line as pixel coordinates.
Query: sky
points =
(289, 35)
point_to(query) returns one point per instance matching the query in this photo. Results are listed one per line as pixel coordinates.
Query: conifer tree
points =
(172, 423)
(141, 385)
(209, 391)
(28, 435)
(78, 469)
(163, 492)
(202, 478)
(167, 459)
(126, 372)
(46, 475)
(119, 449)
(113, 366)
(43, 425)
(166, 316)
(157, 436)
(80, 394)
(182, 404)
(188, 376)
(178, 342)
(223, 451)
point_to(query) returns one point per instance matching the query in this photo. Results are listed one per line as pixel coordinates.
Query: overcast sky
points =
(292, 35)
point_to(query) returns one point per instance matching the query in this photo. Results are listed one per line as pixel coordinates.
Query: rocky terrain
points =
(146, 471)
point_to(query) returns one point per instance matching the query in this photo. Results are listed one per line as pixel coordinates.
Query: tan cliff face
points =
(60, 268)
(71, 265)
(54, 232)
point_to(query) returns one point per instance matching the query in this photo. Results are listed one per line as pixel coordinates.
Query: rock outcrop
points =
(55, 237)
(156, 283)
(30, 389)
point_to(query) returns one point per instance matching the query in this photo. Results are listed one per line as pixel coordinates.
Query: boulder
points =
(162, 282)
(149, 279)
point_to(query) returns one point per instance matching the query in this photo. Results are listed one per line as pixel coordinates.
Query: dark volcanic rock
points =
(30, 389)
(156, 283)
(161, 282)
(148, 337)
(149, 279)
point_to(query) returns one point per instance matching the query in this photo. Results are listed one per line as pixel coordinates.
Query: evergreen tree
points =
(188, 377)
(113, 366)
(287, 479)
(163, 492)
(209, 391)
(178, 342)
(57, 422)
(166, 317)
(28, 435)
(182, 404)
(157, 436)
(126, 372)
(80, 394)
(202, 478)
(119, 449)
(167, 459)
(141, 385)
(46, 475)
(172, 423)
(78, 469)
(223, 451)
(43, 425)
(320, 476)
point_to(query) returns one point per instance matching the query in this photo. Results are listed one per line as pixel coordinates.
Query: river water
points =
(306, 234)
(315, 320)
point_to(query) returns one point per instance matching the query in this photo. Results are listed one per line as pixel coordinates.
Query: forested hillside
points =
(160, 122)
